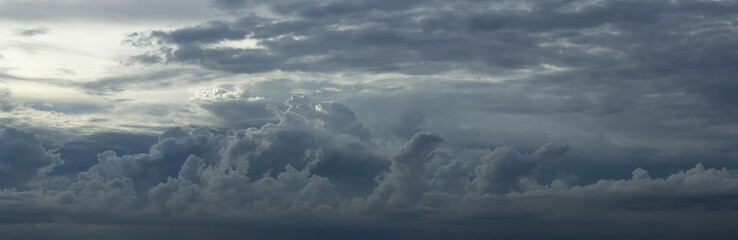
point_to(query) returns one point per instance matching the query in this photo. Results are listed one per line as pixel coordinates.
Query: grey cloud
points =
(32, 31)
(605, 67)
(502, 170)
(344, 158)
(36, 11)
(82, 154)
(615, 85)
(236, 108)
(340, 118)
(145, 59)
(322, 48)
(207, 33)
(334, 116)
(6, 103)
(382, 36)
(698, 187)
(282, 139)
(409, 123)
(23, 158)
(161, 162)
(636, 69)
(299, 104)
(102, 195)
(405, 183)
(300, 167)
(228, 163)
(213, 191)
(160, 78)
(615, 55)
(215, 162)
(66, 107)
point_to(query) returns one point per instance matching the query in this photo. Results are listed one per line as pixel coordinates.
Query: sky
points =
(357, 119)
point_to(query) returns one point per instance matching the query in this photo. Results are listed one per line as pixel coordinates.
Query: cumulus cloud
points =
(502, 170)
(307, 165)
(23, 159)
(297, 152)
(250, 111)
(403, 186)
(697, 187)
(163, 159)
(432, 119)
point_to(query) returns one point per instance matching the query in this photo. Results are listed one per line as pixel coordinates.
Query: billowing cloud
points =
(369, 119)
(306, 164)
(23, 159)
(502, 170)
(697, 187)
(251, 111)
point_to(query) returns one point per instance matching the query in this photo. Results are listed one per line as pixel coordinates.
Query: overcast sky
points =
(354, 119)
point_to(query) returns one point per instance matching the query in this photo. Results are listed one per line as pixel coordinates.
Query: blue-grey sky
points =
(357, 119)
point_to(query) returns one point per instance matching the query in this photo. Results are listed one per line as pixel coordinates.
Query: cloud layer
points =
(368, 119)
(304, 163)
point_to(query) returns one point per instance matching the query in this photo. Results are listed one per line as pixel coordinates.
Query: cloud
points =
(32, 31)
(601, 67)
(603, 59)
(23, 159)
(403, 186)
(161, 162)
(37, 11)
(6, 104)
(252, 111)
(307, 166)
(702, 188)
(413, 119)
(502, 170)
(409, 124)
(82, 153)
(427, 37)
